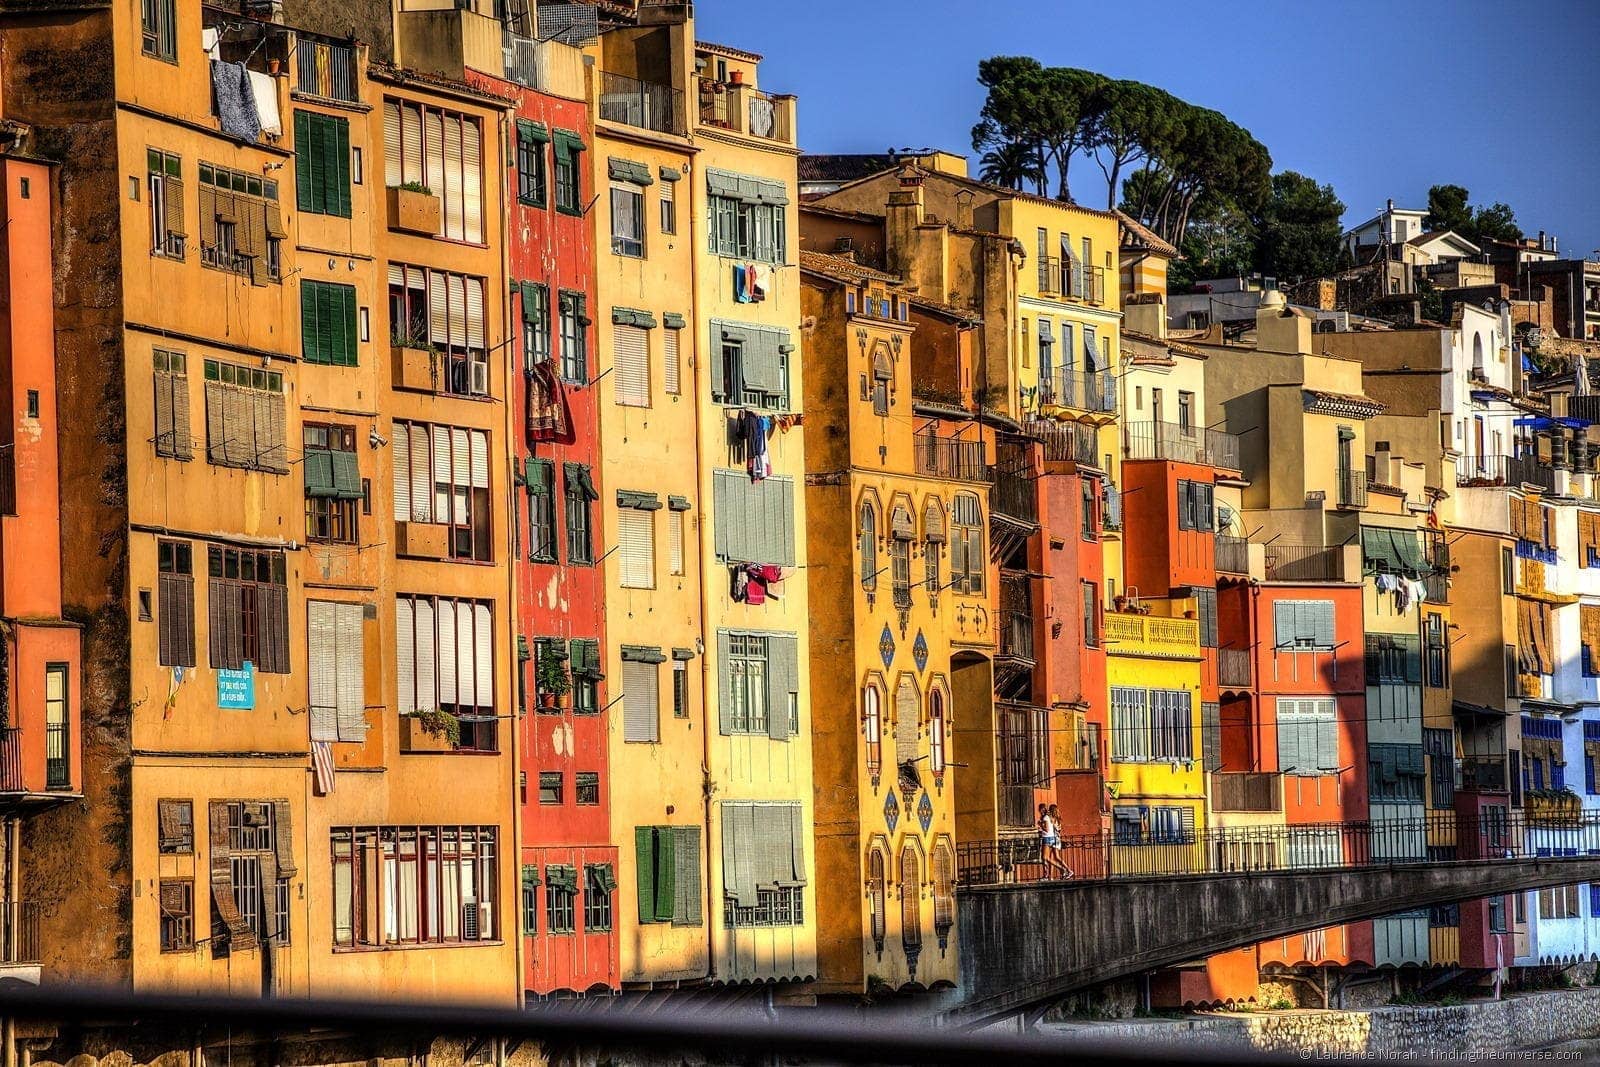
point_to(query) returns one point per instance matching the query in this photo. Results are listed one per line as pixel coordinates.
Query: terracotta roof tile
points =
(842, 268)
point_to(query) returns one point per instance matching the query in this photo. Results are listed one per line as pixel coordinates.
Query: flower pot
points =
(736, 77)
(547, 700)
(564, 701)
(274, 66)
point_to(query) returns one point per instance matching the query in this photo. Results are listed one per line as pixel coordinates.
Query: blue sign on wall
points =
(236, 690)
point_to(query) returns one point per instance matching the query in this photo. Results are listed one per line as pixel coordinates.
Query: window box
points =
(429, 540)
(414, 211)
(415, 368)
(415, 738)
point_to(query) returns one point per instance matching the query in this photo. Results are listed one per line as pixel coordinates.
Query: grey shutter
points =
(164, 428)
(775, 853)
(760, 364)
(349, 635)
(738, 859)
(216, 423)
(1289, 756)
(182, 441)
(686, 875)
(1321, 612)
(784, 534)
(1211, 736)
(1328, 740)
(725, 486)
(797, 842)
(322, 669)
(1283, 624)
(640, 706)
(719, 377)
(783, 678)
(725, 684)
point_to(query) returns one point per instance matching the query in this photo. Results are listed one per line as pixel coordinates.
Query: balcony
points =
(641, 104)
(1246, 792)
(33, 775)
(1183, 444)
(449, 40)
(325, 68)
(1016, 635)
(1050, 279)
(8, 479)
(1013, 496)
(1483, 773)
(1232, 554)
(225, 259)
(744, 109)
(1127, 634)
(1352, 488)
(1233, 668)
(1490, 471)
(944, 457)
(19, 934)
(1083, 390)
(1068, 442)
(1304, 563)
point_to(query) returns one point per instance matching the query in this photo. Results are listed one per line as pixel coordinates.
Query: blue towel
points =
(236, 103)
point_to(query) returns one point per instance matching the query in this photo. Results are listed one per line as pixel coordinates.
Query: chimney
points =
(1279, 328)
(903, 214)
(1390, 205)
(964, 209)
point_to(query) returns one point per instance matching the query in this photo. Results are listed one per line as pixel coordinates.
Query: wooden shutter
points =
(640, 708)
(636, 551)
(669, 352)
(223, 611)
(1327, 730)
(452, 216)
(182, 441)
(438, 309)
(216, 423)
(631, 355)
(1283, 624)
(472, 179)
(759, 365)
(456, 289)
(644, 855)
(738, 853)
(1320, 614)
(306, 152)
(907, 721)
(272, 621)
(391, 144)
(400, 455)
(686, 879)
(166, 434)
(172, 193)
(175, 619)
(483, 638)
(322, 666)
(405, 655)
(675, 561)
(426, 653)
(724, 683)
(448, 654)
(783, 680)
(220, 858)
(1290, 757)
(207, 201)
(421, 487)
(339, 197)
(666, 872)
(350, 639)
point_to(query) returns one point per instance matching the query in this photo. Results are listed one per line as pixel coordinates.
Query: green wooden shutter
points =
(666, 871)
(318, 466)
(644, 854)
(302, 161)
(308, 313)
(348, 315)
(341, 189)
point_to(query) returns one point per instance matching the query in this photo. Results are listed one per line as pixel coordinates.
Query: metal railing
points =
(646, 105)
(1140, 849)
(1049, 276)
(1233, 667)
(19, 932)
(1232, 554)
(1483, 772)
(946, 457)
(325, 68)
(767, 118)
(1246, 791)
(11, 777)
(1303, 563)
(8, 479)
(1084, 390)
(1183, 444)
(222, 259)
(1012, 495)
(1068, 442)
(1352, 486)
(1477, 471)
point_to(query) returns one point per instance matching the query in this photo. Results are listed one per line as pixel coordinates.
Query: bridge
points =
(1136, 905)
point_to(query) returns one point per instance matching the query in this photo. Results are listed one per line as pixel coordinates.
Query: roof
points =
(726, 50)
(842, 168)
(843, 269)
(1323, 402)
(1145, 236)
(811, 207)
(1158, 350)
(1003, 191)
(1434, 235)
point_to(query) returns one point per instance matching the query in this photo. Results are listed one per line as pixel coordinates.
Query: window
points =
(173, 439)
(967, 557)
(245, 418)
(530, 899)
(177, 915)
(441, 477)
(434, 884)
(580, 493)
(1392, 659)
(749, 217)
(641, 706)
(869, 547)
(598, 884)
(627, 220)
(322, 163)
(442, 152)
(1395, 773)
(1497, 915)
(1303, 626)
(1513, 687)
(550, 787)
(1088, 517)
(900, 557)
(937, 725)
(877, 897)
(444, 313)
(328, 323)
(336, 653)
(1186, 412)
(763, 867)
(333, 482)
(1508, 571)
(1151, 725)
(668, 872)
(1091, 615)
(574, 339)
(247, 602)
(671, 367)
(1195, 506)
(680, 689)
(751, 366)
(569, 182)
(745, 688)
(1205, 598)
(753, 521)
(1308, 737)
(1559, 902)
(535, 325)
(669, 206)
(636, 552)
(910, 899)
(630, 355)
(675, 554)
(932, 543)
(541, 478)
(57, 728)
(532, 178)
(587, 788)
(175, 825)
(444, 661)
(239, 222)
(1439, 747)
(175, 603)
(158, 24)
(1436, 672)
(872, 728)
(167, 229)
(250, 840)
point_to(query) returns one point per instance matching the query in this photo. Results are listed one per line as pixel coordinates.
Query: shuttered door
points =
(640, 709)
(631, 348)
(636, 552)
(675, 544)
(669, 353)
(457, 296)
(322, 662)
(480, 459)
(907, 720)
(686, 875)
(438, 309)
(454, 219)
(414, 150)
(472, 179)
(391, 143)
(443, 466)
(405, 655)
(175, 619)
(448, 657)
(400, 453)
(165, 432)
(350, 639)
(427, 655)
(483, 635)
(783, 682)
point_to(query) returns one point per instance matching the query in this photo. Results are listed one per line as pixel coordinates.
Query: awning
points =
(1393, 552)
(626, 170)
(633, 317)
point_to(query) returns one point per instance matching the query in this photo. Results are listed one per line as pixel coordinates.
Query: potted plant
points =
(413, 208)
(555, 684)
(440, 725)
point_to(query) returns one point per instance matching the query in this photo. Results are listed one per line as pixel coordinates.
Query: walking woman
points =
(1050, 843)
(1054, 815)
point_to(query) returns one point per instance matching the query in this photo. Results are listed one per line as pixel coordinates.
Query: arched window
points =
(936, 725)
(933, 538)
(907, 721)
(1477, 352)
(966, 544)
(944, 891)
(876, 894)
(872, 729)
(869, 548)
(903, 531)
(910, 901)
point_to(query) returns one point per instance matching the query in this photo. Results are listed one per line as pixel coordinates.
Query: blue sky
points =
(1379, 99)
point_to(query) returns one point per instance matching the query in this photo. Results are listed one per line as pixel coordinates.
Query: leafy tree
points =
(1046, 108)
(1300, 228)
(1221, 243)
(1130, 121)
(1447, 209)
(1013, 164)
(1497, 222)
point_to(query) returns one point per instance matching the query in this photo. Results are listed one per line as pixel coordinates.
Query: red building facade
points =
(568, 864)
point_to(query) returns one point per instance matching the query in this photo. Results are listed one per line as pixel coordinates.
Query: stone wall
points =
(1482, 1028)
